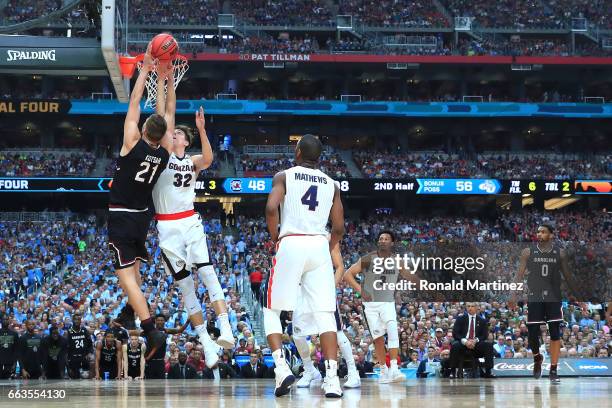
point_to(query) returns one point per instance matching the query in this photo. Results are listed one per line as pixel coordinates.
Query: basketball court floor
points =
(501, 392)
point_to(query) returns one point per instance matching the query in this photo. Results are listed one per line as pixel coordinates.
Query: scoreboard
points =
(420, 186)
(366, 187)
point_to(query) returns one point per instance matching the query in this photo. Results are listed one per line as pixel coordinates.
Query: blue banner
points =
(458, 186)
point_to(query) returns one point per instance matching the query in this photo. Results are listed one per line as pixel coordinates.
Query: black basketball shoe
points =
(537, 366)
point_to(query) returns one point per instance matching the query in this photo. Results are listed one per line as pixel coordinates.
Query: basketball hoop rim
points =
(128, 63)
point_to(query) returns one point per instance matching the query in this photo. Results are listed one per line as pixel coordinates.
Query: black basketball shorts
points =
(544, 312)
(127, 234)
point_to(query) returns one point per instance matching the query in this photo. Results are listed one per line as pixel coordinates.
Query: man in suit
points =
(255, 368)
(429, 365)
(182, 370)
(470, 332)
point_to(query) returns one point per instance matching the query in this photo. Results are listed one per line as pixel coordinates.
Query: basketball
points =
(164, 47)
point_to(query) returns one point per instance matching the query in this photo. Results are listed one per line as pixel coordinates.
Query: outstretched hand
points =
(148, 64)
(200, 121)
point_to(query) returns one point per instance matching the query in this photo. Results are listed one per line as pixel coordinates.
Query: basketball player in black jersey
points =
(108, 357)
(141, 161)
(79, 346)
(134, 359)
(544, 264)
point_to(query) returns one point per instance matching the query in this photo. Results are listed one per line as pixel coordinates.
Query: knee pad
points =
(209, 279)
(534, 337)
(187, 287)
(554, 330)
(272, 322)
(392, 334)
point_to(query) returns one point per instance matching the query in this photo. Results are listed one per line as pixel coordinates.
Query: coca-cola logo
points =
(518, 366)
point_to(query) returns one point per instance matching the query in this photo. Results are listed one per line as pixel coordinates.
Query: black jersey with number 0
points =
(544, 279)
(136, 174)
(79, 343)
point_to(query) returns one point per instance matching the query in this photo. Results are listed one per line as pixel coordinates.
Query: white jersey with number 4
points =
(308, 200)
(174, 192)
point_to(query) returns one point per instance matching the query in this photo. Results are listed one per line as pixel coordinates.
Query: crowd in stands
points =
(546, 14)
(439, 164)
(257, 44)
(330, 163)
(283, 12)
(544, 166)
(68, 261)
(17, 11)
(186, 12)
(394, 13)
(13, 164)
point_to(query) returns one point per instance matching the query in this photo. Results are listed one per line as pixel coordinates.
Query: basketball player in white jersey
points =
(311, 373)
(379, 305)
(181, 235)
(307, 198)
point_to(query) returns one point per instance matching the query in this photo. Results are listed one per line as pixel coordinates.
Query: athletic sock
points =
(393, 365)
(279, 358)
(224, 322)
(202, 333)
(331, 368)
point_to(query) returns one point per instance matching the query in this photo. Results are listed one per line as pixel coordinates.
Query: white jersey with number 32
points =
(308, 200)
(174, 191)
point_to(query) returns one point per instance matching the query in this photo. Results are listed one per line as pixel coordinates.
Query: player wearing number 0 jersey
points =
(181, 234)
(307, 198)
(140, 163)
(544, 264)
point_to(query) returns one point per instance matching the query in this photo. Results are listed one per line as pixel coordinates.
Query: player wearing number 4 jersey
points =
(140, 163)
(308, 198)
(181, 234)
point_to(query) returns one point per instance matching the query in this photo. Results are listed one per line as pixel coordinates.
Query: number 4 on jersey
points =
(310, 198)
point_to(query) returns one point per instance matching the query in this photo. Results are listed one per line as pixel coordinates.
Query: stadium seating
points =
(503, 166)
(16, 164)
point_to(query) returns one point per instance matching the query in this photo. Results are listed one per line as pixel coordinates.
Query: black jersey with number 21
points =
(136, 174)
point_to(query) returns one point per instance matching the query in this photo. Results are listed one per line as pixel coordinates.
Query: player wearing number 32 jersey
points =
(181, 234)
(307, 198)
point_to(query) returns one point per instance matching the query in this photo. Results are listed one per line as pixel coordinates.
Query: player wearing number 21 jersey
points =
(141, 161)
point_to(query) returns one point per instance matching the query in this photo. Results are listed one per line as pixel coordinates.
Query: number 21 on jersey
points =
(142, 175)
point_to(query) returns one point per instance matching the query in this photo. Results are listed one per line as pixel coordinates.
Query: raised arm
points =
(131, 133)
(204, 160)
(274, 200)
(166, 104)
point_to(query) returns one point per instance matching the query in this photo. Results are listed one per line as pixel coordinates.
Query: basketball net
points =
(179, 67)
